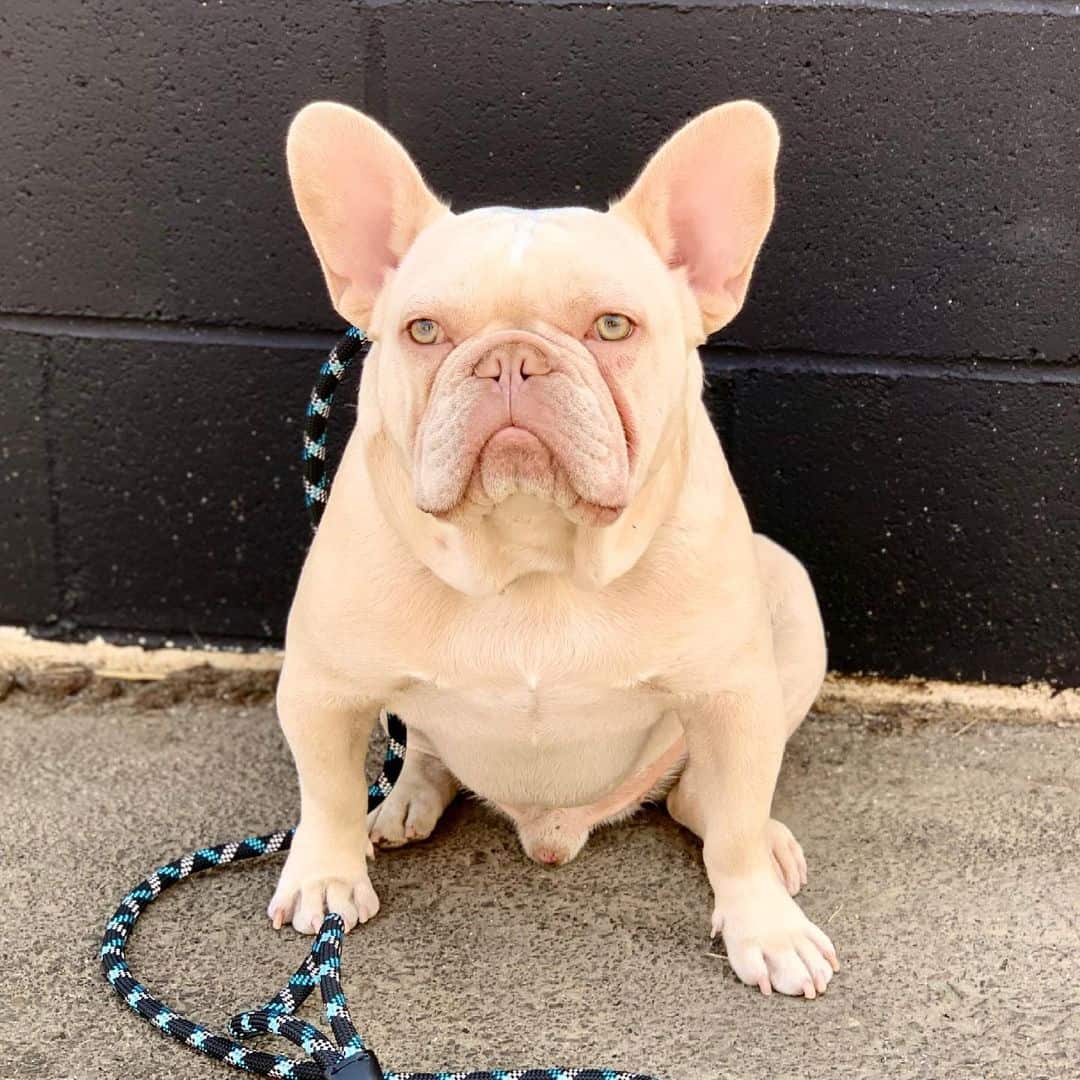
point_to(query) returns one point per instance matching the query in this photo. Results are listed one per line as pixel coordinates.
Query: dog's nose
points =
(512, 359)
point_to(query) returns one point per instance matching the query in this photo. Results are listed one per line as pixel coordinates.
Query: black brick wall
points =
(900, 399)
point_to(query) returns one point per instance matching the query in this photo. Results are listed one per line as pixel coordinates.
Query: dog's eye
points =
(424, 331)
(613, 327)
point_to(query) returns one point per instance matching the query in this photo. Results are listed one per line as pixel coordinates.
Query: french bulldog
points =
(534, 551)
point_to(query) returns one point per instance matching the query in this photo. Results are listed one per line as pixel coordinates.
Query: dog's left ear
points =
(705, 201)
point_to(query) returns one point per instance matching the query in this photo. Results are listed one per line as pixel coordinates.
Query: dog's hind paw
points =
(412, 810)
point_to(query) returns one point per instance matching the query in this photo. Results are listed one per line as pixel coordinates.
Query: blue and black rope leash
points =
(343, 1057)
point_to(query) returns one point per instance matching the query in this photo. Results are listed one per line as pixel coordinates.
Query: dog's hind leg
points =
(799, 649)
(425, 788)
(798, 634)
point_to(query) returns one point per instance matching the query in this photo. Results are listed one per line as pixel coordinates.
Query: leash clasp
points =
(363, 1066)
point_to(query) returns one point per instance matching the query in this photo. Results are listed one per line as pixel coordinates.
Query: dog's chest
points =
(555, 743)
(531, 710)
(538, 704)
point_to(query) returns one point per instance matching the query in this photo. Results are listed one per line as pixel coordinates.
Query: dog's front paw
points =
(770, 943)
(323, 873)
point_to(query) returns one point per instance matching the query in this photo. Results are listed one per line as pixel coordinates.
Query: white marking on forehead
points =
(524, 230)
(525, 223)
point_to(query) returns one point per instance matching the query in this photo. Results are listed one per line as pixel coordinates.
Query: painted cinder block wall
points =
(900, 400)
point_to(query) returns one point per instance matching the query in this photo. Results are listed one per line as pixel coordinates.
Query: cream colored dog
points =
(534, 552)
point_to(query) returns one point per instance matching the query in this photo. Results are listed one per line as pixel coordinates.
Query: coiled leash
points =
(343, 1057)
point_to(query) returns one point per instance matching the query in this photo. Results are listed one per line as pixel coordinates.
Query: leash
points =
(344, 1056)
(353, 346)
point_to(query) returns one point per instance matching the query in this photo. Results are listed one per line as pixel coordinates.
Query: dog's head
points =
(544, 352)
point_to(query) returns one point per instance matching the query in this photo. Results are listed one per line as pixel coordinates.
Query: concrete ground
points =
(943, 862)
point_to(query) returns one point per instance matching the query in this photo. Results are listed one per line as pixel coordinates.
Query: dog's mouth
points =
(515, 461)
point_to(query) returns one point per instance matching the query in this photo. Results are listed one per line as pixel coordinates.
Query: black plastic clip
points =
(364, 1066)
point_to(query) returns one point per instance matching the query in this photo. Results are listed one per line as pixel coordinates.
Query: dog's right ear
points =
(361, 199)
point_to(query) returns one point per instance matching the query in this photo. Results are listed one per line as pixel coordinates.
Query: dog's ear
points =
(361, 199)
(705, 201)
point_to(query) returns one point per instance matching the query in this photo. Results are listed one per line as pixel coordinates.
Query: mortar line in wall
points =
(718, 358)
(121, 329)
(1064, 8)
(719, 361)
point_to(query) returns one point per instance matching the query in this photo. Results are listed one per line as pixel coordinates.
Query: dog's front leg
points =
(327, 865)
(735, 743)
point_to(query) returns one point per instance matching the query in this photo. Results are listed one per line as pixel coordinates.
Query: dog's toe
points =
(787, 855)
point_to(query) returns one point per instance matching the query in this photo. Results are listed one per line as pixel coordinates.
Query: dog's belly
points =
(557, 745)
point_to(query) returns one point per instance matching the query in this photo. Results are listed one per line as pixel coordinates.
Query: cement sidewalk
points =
(944, 863)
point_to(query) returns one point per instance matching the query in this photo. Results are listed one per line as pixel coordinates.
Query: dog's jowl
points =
(534, 552)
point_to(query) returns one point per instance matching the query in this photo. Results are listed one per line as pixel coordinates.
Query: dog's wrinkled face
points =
(529, 352)
(537, 352)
